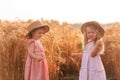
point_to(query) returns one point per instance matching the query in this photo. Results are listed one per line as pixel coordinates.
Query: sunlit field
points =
(62, 40)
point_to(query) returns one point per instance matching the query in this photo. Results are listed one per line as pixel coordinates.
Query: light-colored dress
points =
(35, 70)
(91, 67)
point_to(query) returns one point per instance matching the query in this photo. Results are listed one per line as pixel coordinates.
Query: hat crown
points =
(92, 23)
(34, 25)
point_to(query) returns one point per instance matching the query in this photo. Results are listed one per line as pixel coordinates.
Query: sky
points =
(71, 11)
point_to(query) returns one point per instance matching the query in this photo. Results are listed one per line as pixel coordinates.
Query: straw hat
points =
(93, 23)
(37, 25)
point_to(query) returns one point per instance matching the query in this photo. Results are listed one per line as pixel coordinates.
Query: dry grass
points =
(59, 43)
(112, 51)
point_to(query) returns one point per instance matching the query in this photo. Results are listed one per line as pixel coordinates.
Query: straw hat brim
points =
(45, 29)
(93, 23)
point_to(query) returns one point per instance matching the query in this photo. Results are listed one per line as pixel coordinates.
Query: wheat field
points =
(62, 40)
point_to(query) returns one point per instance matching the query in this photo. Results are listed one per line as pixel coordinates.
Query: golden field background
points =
(62, 40)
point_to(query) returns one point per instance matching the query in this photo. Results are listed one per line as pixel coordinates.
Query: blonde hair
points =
(85, 39)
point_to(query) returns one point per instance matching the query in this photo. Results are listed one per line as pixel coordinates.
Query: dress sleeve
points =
(31, 46)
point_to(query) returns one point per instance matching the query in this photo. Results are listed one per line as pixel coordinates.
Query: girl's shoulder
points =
(91, 43)
(38, 42)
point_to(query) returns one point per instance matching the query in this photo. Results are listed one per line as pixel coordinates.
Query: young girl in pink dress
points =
(36, 67)
(92, 67)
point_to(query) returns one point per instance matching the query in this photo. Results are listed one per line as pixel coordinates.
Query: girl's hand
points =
(39, 58)
(99, 43)
(73, 55)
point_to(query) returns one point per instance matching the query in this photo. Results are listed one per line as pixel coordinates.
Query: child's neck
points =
(90, 40)
(34, 39)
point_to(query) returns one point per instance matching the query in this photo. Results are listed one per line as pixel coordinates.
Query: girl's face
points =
(91, 33)
(37, 34)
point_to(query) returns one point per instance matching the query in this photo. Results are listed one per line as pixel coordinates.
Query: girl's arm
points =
(76, 55)
(31, 52)
(96, 48)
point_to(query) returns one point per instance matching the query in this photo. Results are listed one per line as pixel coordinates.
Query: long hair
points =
(86, 40)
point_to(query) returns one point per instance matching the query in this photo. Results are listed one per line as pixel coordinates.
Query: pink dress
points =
(91, 67)
(35, 70)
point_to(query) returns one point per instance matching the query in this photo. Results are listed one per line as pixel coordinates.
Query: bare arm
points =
(96, 48)
(76, 55)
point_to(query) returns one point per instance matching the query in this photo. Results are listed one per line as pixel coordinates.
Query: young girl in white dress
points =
(92, 67)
